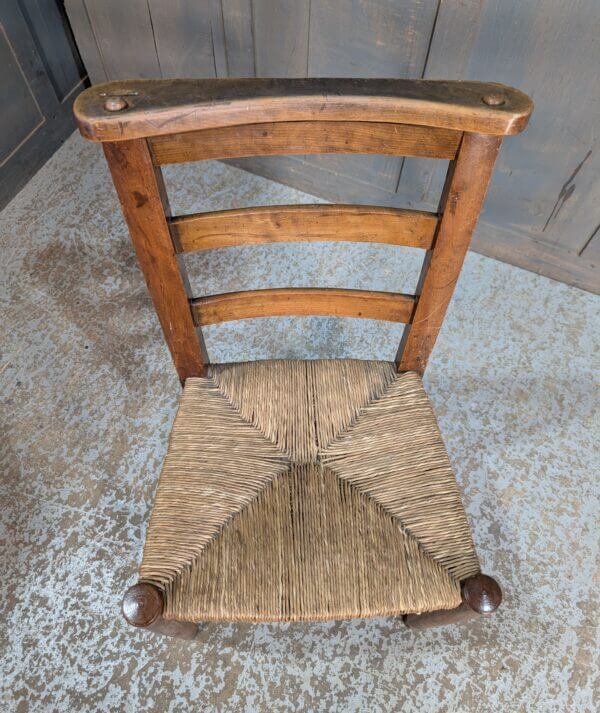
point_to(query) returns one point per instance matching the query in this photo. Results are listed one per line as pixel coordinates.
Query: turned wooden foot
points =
(480, 594)
(143, 608)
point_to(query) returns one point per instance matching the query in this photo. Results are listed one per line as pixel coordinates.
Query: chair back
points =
(145, 124)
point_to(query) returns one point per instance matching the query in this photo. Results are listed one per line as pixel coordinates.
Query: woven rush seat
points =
(304, 490)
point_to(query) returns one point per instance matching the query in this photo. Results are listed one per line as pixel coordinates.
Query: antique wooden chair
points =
(303, 490)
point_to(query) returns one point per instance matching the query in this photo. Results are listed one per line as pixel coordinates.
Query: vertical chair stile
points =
(143, 199)
(462, 198)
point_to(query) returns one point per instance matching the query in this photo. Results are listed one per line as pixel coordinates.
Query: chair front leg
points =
(480, 594)
(143, 606)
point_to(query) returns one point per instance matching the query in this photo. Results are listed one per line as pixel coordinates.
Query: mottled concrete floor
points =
(88, 395)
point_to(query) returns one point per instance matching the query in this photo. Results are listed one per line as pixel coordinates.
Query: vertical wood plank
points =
(22, 55)
(345, 38)
(462, 200)
(545, 193)
(183, 38)
(379, 38)
(145, 207)
(239, 42)
(217, 31)
(546, 183)
(451, 44)
(86, 41)
(280, 31)
(125, 38)
(21, 114)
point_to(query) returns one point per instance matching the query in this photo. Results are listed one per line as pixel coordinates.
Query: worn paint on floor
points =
(88, 394)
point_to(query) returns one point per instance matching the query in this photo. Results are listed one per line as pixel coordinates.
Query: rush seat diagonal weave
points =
(306, 490)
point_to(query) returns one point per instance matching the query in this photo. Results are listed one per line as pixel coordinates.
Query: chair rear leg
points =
(480, 594)
(143, 606)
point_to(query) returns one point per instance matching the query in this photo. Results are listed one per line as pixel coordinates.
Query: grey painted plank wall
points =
(551, 49)
(41, 74)
(543, 207)
(239, 39)
(125, 36)
(183, 39)
(375, 39)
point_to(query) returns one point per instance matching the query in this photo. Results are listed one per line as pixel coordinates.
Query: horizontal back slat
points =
(302, 301)
(306, 137)
(284, 224)
(147, 123)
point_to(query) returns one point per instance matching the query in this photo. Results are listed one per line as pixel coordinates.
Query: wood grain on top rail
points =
(298, 223)
(156, 107)
(306, 137)
(302, 301)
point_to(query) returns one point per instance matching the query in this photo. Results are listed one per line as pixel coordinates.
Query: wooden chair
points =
(303, 490)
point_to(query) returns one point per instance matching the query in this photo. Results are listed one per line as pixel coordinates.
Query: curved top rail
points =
(155, 107)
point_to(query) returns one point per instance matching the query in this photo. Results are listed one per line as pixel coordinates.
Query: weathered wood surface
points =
(302, 301)
(281, 37)
(159, 107)
(192, 55)
(160, 239)
(379, 39)
(461, 203)
(87, 43)
(143, 200)
(125, 37)
(284, 224)
(538, 215)
(296, 137)
(237, 40)
(544, 203)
